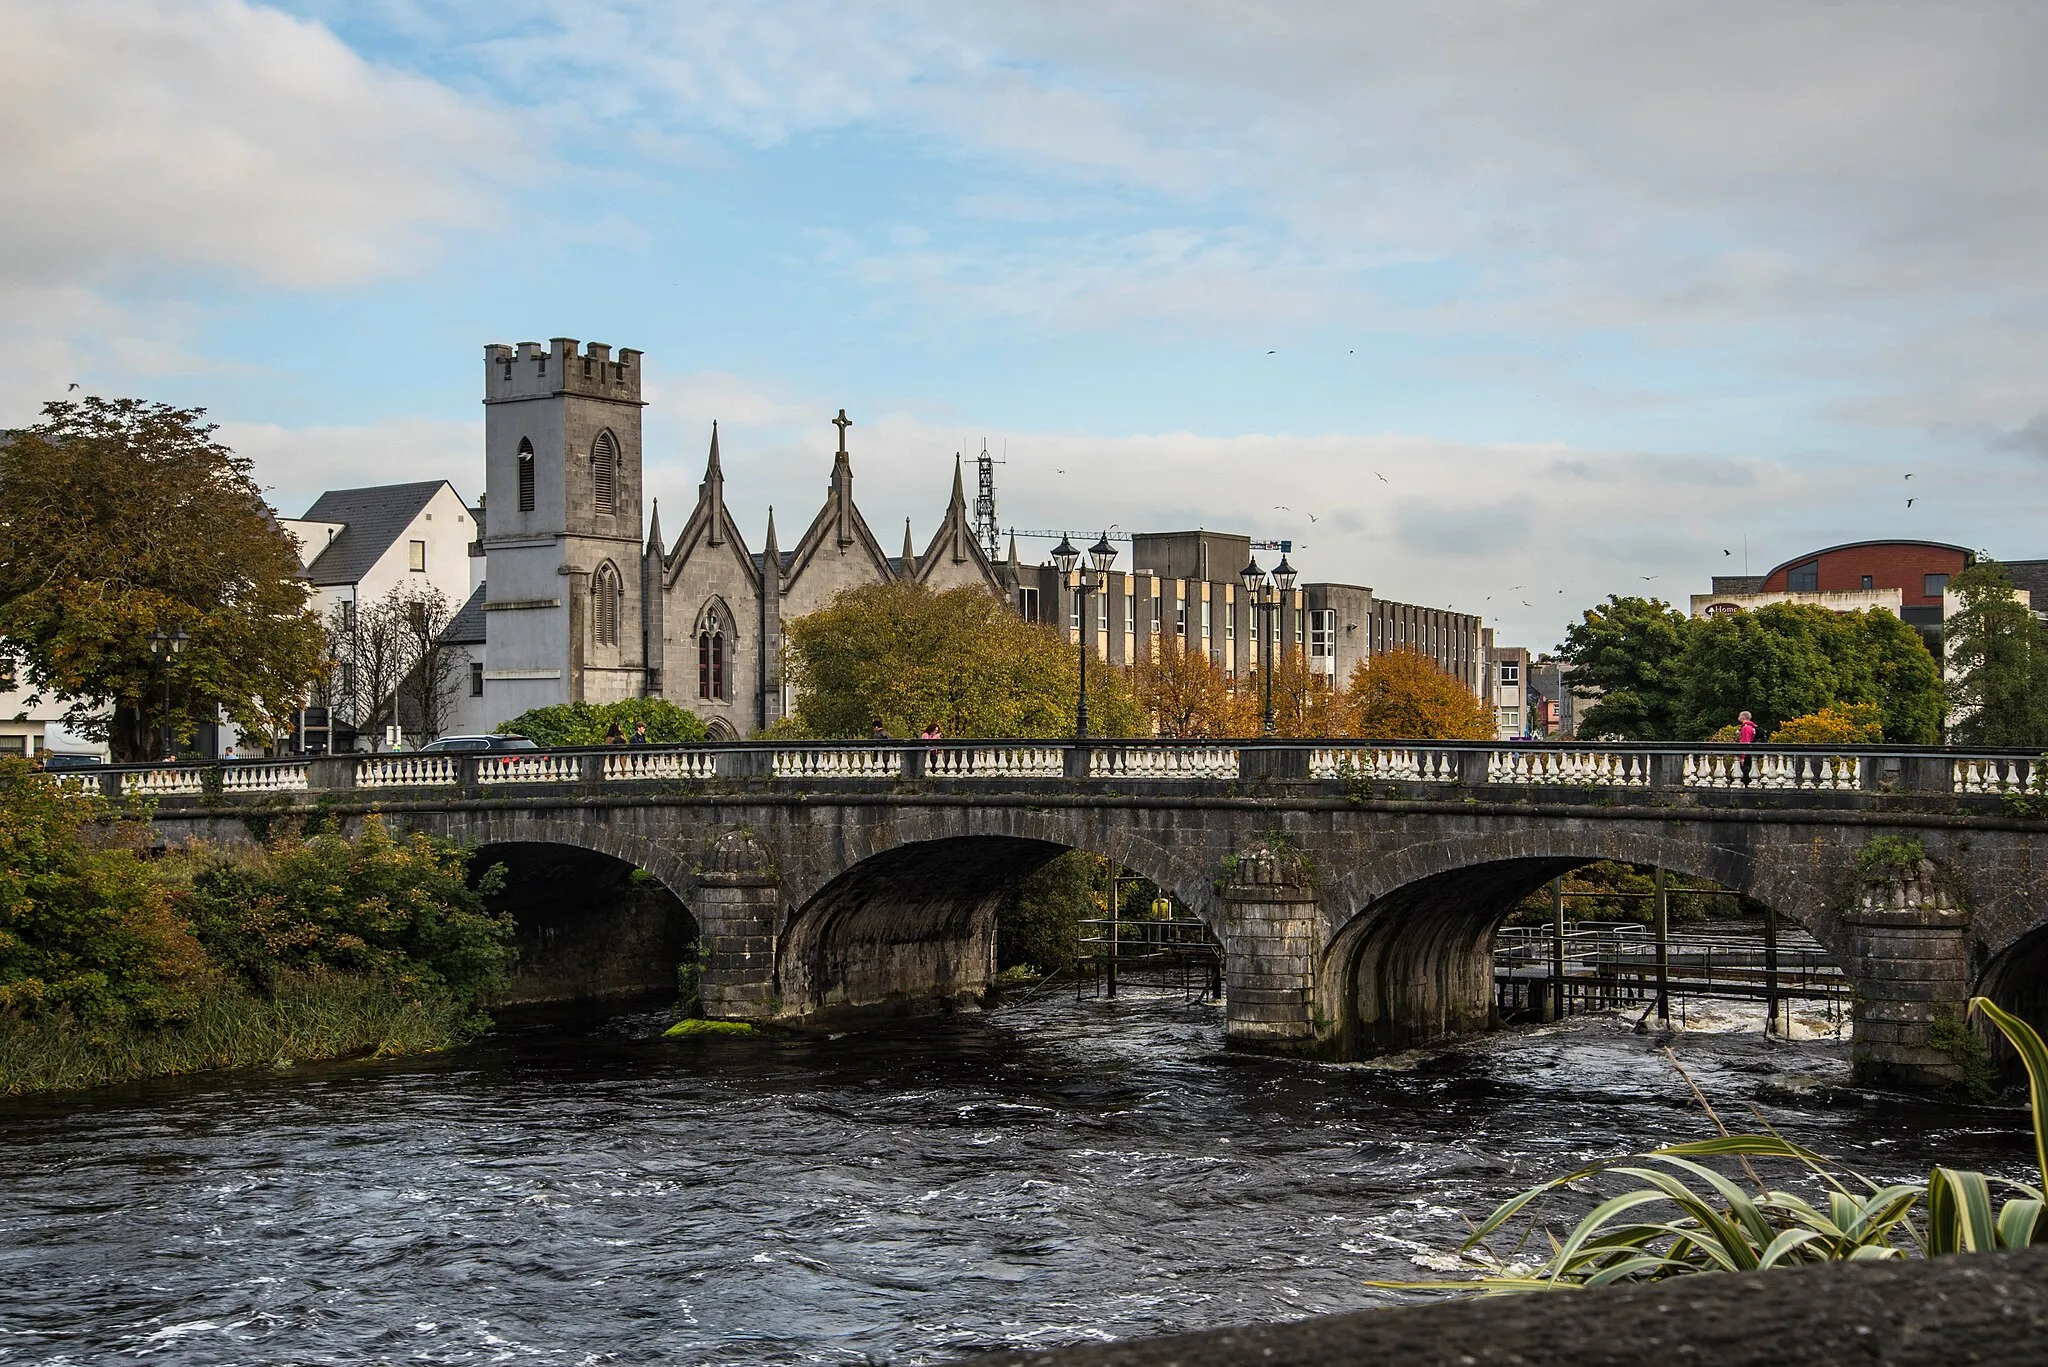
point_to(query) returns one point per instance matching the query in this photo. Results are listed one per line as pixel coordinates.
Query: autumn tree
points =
(1306, 703)
(1627, 654)
(121, 518)
(1187, 696)
(908, 657)
(1859, 723)
(1787, 660)
(1998, 660)
(1402, 695)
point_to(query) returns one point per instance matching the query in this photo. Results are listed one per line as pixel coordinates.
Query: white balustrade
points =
(1989, 774)
(407, 771)
(1384, 764)
(866, 762)
(1592, 768)
(1773, 770)
(526, 766)
(263, 778)
(1164, 761)
(635, 765)
(995, 761)
(163, 782)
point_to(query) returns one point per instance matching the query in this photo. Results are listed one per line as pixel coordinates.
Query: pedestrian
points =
(1745, 734)
(640, 734)
(879, 732)
(614, 736)
(931, 732)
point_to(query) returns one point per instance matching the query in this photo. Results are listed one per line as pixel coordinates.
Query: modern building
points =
(1849, 577)
(31, 723)
(1507, 670)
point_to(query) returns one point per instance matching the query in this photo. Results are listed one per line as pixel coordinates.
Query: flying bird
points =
(1381, 478)
(1272, 353)
(1514, 586)
(1648, 577)
(1282, 508)
(1726, 551)
(1909, 503)
(74, 385)
(1313, 518)
(1527, 604)
(1908, 476)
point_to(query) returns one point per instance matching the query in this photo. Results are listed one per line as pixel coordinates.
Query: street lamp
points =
(166, 645)
(1101, 556)
(1266, 595)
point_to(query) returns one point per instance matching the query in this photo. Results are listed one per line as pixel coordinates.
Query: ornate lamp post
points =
(1101, 556)
(1266, 595)
(166, 646)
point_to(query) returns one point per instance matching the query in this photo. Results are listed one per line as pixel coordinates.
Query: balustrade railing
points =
(1995, 774)
(408, 771)
(1599, 768)
(1775, 770)
(1385, 763)
(264, 778)
(1163, 761)
(637, 764)
(995, 761)
(164, 782)
(865, 761)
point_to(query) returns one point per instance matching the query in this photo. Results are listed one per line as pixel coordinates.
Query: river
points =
(1044, 1174)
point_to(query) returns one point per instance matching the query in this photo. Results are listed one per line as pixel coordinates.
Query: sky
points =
(1503, 305)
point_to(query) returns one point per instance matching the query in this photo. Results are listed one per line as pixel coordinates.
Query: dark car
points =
(53, 760)
(449, 744)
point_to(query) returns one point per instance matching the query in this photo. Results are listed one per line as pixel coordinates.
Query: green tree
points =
(1039, 922)
(122, 518)
(1627, 655)
(1998, 663)
(586, 723)
(909, 657)
(1403, 695)
(1787, 660)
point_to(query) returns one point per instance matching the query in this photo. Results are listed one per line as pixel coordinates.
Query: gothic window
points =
(605, 592)
(525, 475)
(604, 472)
(714, 658)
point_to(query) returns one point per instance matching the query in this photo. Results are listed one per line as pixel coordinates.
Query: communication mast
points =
(985, 529)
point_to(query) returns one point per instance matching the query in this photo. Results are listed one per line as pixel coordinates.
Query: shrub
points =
(1885, 857)
(1858, 723)
(584, 723)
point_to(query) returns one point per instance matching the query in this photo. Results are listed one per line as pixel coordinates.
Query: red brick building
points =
(1919, 570)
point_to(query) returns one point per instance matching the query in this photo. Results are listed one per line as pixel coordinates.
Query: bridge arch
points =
(1411, 960)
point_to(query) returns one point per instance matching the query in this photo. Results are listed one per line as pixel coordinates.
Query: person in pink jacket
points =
(1745, 734)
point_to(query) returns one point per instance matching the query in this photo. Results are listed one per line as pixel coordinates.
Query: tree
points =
(909, 657)
(1402, 695)
(586, 723)
(1997, 663)
(1305, 702)
(1187, 696)
(120, 518)
(1787, 660)
(1626, 654)
(426, 690)
(1860, 723)
(366, 648)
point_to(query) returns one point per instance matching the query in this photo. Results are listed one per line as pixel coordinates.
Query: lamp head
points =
(1251, 576)
(178, 639)
(1066, 557)
(1283, 575)
(1103, 554)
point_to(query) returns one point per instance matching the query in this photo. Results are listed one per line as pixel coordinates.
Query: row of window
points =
(1806, 579)
(604, 473)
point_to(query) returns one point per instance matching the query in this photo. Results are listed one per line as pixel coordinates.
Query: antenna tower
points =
(985, 529)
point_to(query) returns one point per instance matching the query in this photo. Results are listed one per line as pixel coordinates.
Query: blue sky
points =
(1524, 301)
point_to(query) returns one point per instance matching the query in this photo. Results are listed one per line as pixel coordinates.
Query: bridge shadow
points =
(1417, 965)
(590, 926)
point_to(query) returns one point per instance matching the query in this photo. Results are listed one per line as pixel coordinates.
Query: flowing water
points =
(1044, 1174)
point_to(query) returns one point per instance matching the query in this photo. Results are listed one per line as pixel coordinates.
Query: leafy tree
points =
(1860, 723)
(1305, 702)
(1039, 921)
(1188, 696)
(909, 657)
(1626, 654)
(86, 928)
(1402, 695)
(587, 723)
(1998, 663)
(122, 518)
(402, 910)
(1787, 660)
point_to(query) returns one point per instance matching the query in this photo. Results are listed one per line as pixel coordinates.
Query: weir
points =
(1354, 887)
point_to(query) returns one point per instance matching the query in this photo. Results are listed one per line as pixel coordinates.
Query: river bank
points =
(1061, 1172)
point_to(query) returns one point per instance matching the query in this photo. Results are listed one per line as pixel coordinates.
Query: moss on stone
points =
(688, 1028)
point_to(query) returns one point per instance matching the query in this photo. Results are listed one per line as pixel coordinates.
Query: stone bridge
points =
(1354, 886)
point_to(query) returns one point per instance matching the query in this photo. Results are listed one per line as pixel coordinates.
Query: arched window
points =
(604, 472)
(525, 475)
(605, 593)
(714, 660)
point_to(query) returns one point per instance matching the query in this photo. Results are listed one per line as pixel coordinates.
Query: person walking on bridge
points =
(1745, 734)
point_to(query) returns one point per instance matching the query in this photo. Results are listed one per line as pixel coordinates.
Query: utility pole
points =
(1662, 928)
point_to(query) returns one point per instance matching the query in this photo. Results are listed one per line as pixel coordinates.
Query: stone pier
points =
(739, 900)
(1912, 969)
(1271, 938)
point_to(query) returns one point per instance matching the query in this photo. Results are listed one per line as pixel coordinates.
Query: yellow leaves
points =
(1860, 723)
(1402, 695)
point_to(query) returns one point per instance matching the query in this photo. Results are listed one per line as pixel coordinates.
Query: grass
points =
(686, 1028)
(309, 1018)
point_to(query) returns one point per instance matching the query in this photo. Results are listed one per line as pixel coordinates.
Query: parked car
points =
(53, 760)
(460, 744)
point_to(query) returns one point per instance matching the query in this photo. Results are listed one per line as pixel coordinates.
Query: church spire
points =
(771, 561)
(654, 528)
(959, 489)
(842, 482)
(712, 492)
(909, 553)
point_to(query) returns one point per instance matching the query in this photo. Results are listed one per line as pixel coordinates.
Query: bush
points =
(399, 910)
(1858, 723)
(584, 723)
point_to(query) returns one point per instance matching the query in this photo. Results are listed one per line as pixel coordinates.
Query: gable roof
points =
(372, 520)
(466, 628)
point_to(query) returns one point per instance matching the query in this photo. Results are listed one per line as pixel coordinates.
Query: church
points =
(583, 599)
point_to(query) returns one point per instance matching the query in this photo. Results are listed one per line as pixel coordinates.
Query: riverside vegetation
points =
(117, 963)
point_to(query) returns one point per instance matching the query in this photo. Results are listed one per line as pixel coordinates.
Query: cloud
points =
(294, 465)
(2030, 437)
(150, 135)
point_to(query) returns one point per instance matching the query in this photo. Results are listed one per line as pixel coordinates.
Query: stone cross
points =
(842, 422)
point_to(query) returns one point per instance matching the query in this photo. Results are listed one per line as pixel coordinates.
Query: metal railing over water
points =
(1179, 955)
(1535, 765)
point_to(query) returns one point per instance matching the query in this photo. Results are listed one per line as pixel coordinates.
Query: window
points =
(525, 475)
(1027, 604)
(1508, 719)
(1180, 620)
(346, 610)
(476, 678)
(1130, 610)
(1804, 578)
(1156, 613)
(6, 673)
(13, 745)
(1322, 633)
(1510, 673)
(416, 556)
(1074, 606)
(605, 593)
(604, 472)
(1868, 582)
(711, 665)
(1935, 585)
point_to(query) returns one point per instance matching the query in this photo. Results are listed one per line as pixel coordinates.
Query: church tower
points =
(563, 599)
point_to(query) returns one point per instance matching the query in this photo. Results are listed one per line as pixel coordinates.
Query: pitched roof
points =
(466, 628)
(372, 520)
